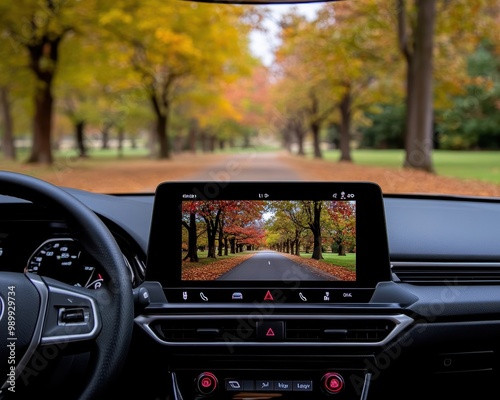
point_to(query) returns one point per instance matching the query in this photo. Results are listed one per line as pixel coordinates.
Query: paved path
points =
(270, 265)
(250, 166)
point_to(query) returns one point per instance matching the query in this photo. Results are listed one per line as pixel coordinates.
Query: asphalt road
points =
(249, 166)
(270, 265)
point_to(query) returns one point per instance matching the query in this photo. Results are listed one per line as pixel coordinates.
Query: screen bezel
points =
(164, 262)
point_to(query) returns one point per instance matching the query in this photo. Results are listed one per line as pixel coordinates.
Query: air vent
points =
(296, 330)
(447, 272)
(352, 331)
(212, 330)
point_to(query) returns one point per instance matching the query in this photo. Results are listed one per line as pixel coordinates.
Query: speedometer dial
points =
(62, 259)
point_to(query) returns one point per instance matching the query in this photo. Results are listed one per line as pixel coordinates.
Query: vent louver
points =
(296, 330)
(447, 272)
(351, 331)
(213, 330)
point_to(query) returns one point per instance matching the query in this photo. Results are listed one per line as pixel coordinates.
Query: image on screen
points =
(271, 240)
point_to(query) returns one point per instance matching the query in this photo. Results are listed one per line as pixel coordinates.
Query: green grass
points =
(348, 261)
(481, 165)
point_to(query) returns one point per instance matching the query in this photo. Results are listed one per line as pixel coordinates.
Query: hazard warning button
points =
(271, 331)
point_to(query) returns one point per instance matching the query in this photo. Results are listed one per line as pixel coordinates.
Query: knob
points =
(206, 383)
(332, 382)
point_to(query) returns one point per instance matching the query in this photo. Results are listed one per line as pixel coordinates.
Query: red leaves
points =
(209, 272)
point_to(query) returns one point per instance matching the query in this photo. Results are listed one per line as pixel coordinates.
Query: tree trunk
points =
(121, 138)
(419, 118)
(80, 142)
(161, 129)
(44, 55)
(221, 241)
(315, 128)
(41, 151)
(345, 126)
(192, 254)
(8, 147)
(341, 247)
(105, 135)
(315, 227)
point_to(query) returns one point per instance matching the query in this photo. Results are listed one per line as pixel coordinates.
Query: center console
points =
(268, 290)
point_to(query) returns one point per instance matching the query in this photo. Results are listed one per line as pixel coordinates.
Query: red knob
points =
(206, 383)
(333, 382)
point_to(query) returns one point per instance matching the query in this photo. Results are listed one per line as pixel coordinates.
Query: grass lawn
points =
(348, 261)
(482, 165)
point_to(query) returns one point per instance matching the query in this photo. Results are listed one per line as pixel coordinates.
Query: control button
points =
(234, 384)
(206, 383)
(302, 386)
(203, 296)
(264, 385)
(270, 331)
(283, 385)
(268, 296)
(333, 382)
(237, 296)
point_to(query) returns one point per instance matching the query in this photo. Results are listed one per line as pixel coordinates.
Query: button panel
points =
(233, 385)
(288, 384)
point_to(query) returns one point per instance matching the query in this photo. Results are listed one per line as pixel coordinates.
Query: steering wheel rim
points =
(111, 305)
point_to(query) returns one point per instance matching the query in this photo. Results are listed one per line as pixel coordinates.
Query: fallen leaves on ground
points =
(192, 271)
(143, 175)
(340, 272)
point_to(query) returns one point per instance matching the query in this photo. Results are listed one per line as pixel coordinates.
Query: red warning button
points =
(268, 296)
(206, 383)
(270, 331)
(333, 382)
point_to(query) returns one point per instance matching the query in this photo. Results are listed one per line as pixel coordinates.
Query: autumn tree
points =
(175, 42)
(342, 224)
(302, 85)
(337, 61)
(37, 28)
(416, 41)
(306, 215)
(241, 225)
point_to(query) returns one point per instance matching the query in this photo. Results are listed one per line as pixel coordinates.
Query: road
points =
(251, 166)
(270, 265)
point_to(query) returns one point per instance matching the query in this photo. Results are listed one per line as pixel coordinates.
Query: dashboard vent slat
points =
(338, 330)
(304, 331)
(447, 272)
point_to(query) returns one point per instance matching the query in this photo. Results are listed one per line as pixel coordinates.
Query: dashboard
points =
(426, 321)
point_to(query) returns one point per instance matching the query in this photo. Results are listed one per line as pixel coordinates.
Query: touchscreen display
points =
(269, 240)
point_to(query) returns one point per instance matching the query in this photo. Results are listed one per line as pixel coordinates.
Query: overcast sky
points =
(262, 44)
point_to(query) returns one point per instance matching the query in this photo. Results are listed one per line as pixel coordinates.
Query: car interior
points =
(97, 301)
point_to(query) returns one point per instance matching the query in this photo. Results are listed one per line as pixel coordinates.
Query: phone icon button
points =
(203, 297)
(302, 297)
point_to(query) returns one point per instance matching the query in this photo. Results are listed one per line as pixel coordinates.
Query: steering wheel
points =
(41, 318)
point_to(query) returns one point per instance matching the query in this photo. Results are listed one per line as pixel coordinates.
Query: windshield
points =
(117, 97)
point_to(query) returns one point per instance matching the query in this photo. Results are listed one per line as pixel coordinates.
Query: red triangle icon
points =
(268, 296)
(270, 332)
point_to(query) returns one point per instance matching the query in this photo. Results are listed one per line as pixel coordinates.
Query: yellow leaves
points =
(177, 43)
(115, 16)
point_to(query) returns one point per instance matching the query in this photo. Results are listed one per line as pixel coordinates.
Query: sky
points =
(262, 44)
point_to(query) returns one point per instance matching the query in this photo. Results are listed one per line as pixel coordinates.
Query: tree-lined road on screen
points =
(270, 265)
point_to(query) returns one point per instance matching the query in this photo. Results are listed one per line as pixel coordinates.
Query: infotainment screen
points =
(270, 242)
